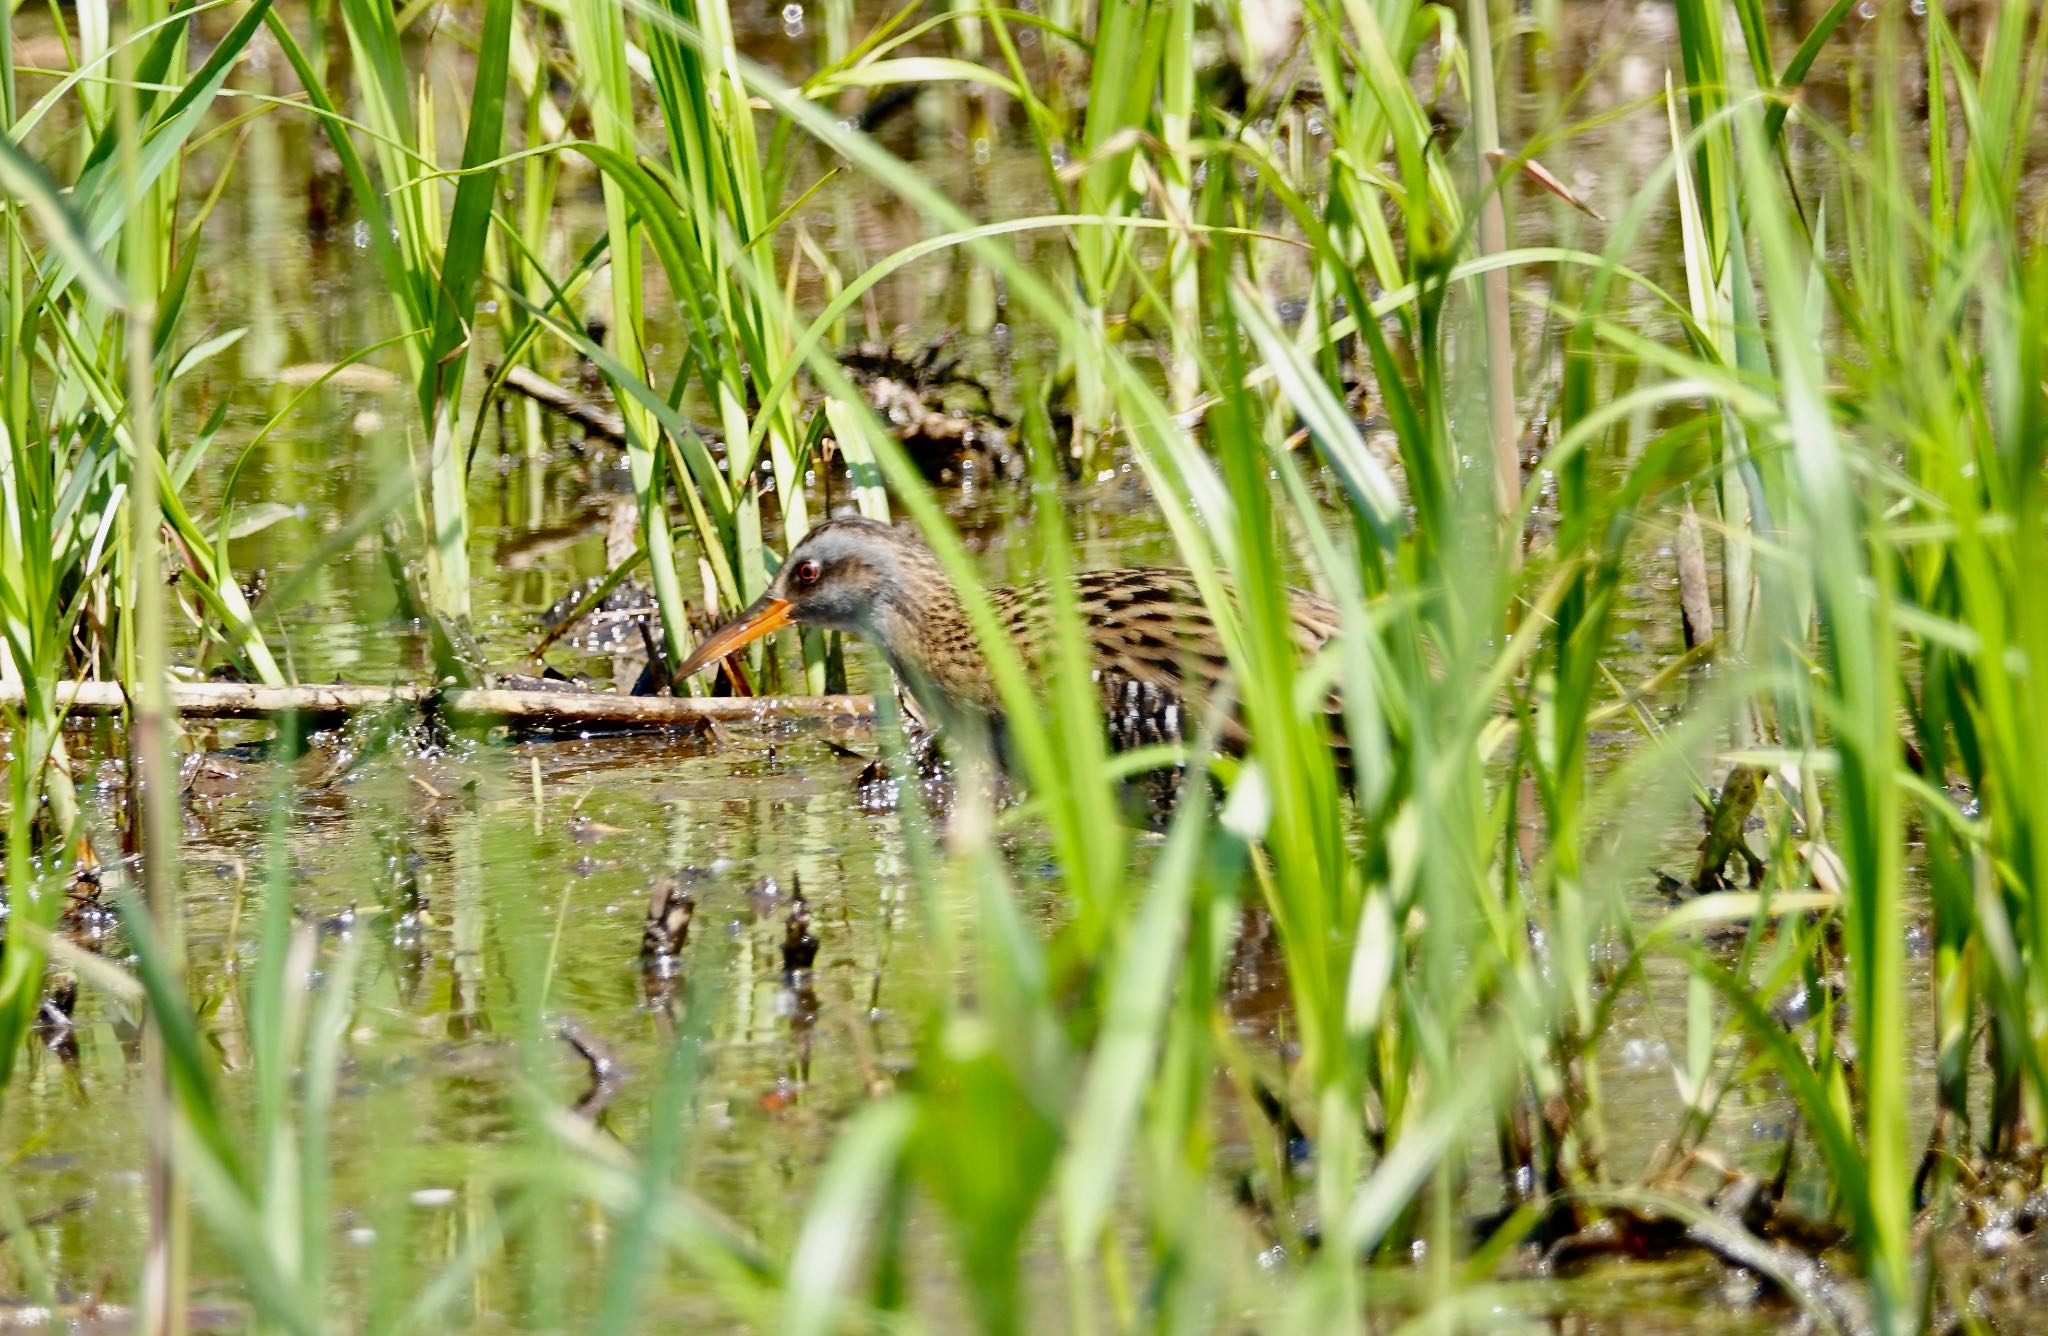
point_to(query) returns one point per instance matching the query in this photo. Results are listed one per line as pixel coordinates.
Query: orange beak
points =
(768, 614)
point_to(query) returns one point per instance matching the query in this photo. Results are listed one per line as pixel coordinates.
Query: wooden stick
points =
(594, 418)
(240, 700)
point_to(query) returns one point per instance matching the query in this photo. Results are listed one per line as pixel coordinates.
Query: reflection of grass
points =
(1855, 400)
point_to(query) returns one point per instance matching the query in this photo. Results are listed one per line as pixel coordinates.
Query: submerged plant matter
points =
(1473, 331)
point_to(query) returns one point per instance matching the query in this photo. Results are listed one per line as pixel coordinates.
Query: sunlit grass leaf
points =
(1371, 488)
(24, 179)
(839, 1223)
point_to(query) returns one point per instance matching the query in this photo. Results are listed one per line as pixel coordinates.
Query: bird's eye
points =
(807, 572)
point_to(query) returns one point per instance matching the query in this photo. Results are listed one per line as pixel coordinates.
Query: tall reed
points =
(95, 289)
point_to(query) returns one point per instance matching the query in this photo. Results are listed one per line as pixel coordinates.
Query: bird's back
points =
(1157, 658)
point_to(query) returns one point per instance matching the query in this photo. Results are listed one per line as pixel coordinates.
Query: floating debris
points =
(945, 418)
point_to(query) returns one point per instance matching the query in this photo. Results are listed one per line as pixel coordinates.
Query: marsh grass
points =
(1854, 392)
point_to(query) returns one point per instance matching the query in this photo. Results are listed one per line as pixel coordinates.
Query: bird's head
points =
(848, 574)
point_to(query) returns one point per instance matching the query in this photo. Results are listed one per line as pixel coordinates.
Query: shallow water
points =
(468, 919)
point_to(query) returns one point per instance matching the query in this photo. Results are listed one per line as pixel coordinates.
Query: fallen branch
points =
(593, 418)
(241, 700)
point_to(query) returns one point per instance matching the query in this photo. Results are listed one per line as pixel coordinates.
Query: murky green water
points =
(468, 920)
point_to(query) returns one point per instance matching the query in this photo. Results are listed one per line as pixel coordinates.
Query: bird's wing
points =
(1156, 652)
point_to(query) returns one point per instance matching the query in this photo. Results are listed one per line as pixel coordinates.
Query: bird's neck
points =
(928, 640)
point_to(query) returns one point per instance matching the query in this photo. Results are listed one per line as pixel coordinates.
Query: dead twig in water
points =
(607, 1074)
(50, 1214)
(1797, 1274)
(593, 418)
(539, 709)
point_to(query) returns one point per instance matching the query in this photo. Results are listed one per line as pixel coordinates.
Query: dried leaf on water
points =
(353, 376)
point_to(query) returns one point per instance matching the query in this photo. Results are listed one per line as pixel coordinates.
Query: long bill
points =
(768, 613)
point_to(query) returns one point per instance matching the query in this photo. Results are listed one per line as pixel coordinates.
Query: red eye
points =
(807, 572)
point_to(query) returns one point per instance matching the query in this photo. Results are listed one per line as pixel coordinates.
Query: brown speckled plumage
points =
(1157, 656)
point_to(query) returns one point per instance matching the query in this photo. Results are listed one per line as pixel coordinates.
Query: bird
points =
(1156, 652)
